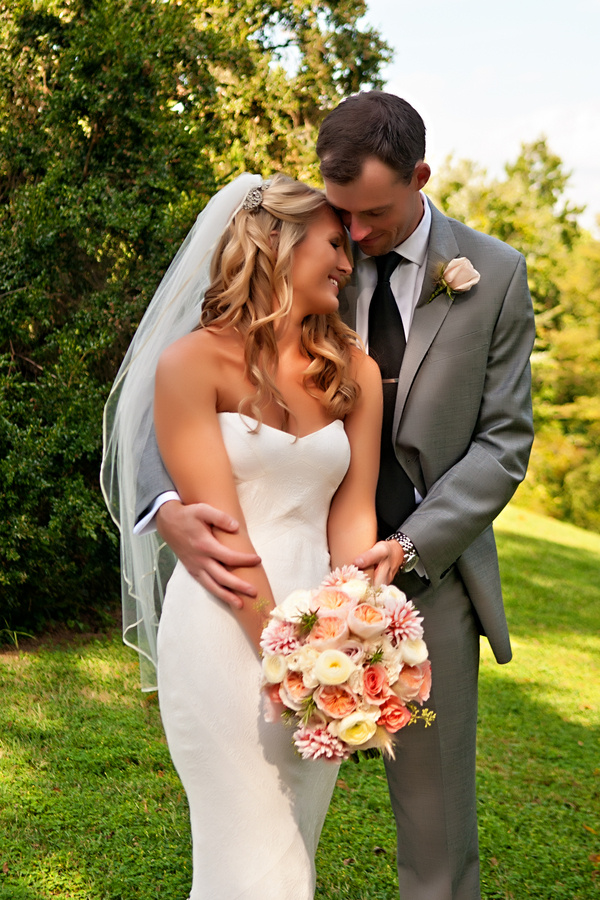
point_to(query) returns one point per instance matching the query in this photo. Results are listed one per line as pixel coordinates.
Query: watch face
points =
(410, 563)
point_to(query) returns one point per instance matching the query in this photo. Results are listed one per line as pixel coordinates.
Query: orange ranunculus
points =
(335, 700)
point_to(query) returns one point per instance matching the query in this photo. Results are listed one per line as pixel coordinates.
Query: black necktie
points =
(395, 498)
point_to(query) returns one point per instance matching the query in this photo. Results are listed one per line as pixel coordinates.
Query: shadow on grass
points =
(537, 789)
(92, 807)
(538, 795)
(548, 586)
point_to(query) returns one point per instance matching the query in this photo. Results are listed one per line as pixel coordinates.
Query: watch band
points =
(411, 557)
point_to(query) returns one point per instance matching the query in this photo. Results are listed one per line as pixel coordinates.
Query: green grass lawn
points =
(91, 808)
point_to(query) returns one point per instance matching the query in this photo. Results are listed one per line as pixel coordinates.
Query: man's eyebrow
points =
(364, 212)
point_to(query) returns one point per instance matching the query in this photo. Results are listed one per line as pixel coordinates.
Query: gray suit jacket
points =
(463, 415)
(463, 419)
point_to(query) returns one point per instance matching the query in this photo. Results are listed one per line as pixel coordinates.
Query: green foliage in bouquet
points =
(118, 120)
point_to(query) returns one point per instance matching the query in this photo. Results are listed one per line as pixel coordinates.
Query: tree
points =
(118, 120)
(527, 209)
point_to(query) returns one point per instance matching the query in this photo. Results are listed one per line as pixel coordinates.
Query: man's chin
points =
(376, 248)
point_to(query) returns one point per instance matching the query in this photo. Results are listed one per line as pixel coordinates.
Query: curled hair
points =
(248, 270)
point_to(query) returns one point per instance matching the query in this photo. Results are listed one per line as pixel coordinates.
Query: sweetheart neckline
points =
(273, 428)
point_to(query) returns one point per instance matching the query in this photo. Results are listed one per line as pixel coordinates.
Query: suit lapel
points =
(428, 316)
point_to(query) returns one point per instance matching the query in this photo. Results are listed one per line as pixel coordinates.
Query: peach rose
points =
(460, 275)
(335, 700)
(329, 633)
(394, 715)
(367, 621)
(293, 691)
(331, 601)
(376, 688)
(414, 683)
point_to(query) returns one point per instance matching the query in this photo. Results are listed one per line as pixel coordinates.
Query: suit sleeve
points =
(468, 497)
(153, 478)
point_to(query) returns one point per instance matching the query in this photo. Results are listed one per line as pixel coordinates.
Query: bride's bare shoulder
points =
(200, 352)
(363, 367)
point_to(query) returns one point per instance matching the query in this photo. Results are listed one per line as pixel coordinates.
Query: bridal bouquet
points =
(347, 663)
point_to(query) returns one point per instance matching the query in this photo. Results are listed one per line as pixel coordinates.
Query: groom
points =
(456, 438)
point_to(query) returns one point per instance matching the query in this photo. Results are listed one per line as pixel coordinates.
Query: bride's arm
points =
(191, 445)
(352, 523)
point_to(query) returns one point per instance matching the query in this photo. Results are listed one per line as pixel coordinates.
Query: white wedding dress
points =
(256, 807)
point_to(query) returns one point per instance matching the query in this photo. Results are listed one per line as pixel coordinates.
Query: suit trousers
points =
(432, 780)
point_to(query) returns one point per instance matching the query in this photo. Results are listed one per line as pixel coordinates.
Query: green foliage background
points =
(118, 120)
(527, 208)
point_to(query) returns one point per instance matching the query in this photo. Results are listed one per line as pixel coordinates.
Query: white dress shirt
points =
(406, 283)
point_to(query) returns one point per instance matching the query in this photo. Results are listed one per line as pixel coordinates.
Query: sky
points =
(487, 76)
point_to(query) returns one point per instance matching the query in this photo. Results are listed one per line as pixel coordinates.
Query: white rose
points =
(310, 680)
(355, 729)
(274, 668)
(391, 592)
(368, 709)
(303, 659)
(460, 275)
(413, 652)
(332, 667)
(355, 588)
(356, 680)
(293, 606)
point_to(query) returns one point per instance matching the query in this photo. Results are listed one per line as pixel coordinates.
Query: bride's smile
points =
(320, 266)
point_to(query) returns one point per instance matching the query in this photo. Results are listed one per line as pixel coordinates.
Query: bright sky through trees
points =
(487, 76)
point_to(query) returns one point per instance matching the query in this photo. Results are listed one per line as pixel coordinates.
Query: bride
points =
(270, 411)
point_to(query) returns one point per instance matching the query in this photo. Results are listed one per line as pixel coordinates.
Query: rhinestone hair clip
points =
(254, 198)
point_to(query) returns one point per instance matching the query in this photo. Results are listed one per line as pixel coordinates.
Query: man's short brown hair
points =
(370, 124)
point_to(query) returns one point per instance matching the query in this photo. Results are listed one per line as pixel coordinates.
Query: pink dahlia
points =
(339, 577)
(280, 638)
(317, 743)
(405, 621)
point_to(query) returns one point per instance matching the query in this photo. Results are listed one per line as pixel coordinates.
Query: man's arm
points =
(468, 497)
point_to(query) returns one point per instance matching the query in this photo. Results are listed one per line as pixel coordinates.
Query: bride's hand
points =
(386, 557)
(187, 529)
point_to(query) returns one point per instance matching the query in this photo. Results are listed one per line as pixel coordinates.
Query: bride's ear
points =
(274, 240)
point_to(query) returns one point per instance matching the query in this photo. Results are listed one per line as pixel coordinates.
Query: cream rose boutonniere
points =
(455, 277)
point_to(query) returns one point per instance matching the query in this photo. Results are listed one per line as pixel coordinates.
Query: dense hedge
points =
(118, 119)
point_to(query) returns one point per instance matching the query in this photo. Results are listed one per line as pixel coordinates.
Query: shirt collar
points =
(414, 248)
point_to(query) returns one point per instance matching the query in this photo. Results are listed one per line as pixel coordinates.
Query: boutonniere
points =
(455, 277)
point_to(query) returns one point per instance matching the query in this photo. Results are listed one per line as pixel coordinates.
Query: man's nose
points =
(358, 230)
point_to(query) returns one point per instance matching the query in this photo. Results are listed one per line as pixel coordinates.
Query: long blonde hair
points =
(248, 270)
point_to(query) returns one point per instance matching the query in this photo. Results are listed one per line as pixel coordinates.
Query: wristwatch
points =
(411, 557)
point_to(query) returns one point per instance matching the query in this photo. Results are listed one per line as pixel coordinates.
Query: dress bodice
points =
(285, 486)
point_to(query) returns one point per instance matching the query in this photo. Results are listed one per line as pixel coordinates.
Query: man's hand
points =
(188, 532)
(386, 557)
